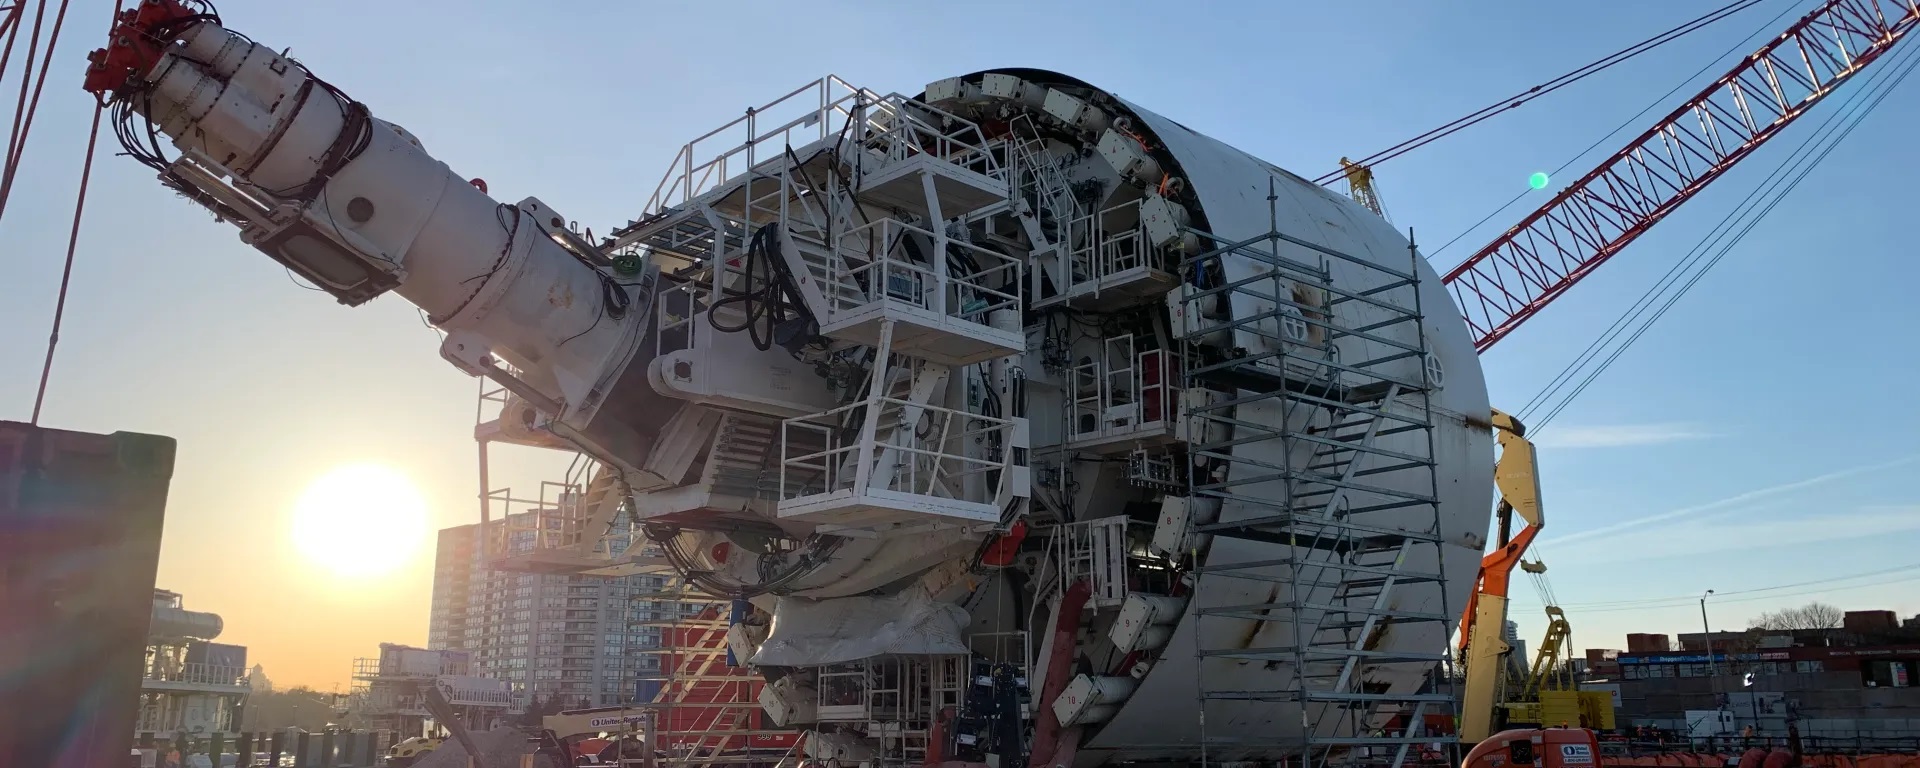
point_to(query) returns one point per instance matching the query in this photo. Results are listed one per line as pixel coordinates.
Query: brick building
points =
(1853, 681)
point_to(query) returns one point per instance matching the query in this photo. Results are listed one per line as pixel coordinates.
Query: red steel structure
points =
(709, 710)
(1515, 276)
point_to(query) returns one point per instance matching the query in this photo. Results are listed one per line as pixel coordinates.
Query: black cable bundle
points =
(769, 300)
(354, 137)
(142, 141)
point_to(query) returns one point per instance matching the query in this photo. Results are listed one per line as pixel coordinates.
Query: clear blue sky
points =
(1763, 433)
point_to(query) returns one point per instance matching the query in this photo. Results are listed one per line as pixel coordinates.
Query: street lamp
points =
(1708, 634)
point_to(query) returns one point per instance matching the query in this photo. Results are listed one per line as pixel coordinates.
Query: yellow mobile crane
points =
(1483, 650)
(1544, 694)
(1548, 695)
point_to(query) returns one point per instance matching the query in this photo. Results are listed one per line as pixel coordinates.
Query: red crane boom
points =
(1515, 276)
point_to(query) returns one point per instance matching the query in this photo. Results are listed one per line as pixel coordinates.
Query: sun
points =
(360, 520)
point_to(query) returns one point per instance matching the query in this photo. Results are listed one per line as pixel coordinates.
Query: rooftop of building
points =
(1862, 629)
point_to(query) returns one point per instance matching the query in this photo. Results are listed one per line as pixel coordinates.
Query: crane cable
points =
(1598, 65)
(10, 28)
(79, 206)
(1678, 599)
(1763, 29)
(1686, 602)
(1823, 141)
(66, 271)
(25, 108)
(1713, 63)
(1877, 88)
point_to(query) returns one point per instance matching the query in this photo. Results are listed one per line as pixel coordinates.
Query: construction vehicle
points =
(409, 751)
(630, 737)
(1499, 689)
(1483, 647)
(616, 736)
(1550, 696)
(1484, 651)
(1540, 748)
(1046, 430)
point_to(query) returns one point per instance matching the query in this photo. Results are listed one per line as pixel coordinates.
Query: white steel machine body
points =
(1033, 424)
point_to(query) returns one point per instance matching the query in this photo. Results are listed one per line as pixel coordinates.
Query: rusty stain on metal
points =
(1253, 625)
(1481, 423)
(561, 295)
(1378, 636)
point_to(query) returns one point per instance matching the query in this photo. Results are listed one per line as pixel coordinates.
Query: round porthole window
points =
(1292, 325)
(1436, 375)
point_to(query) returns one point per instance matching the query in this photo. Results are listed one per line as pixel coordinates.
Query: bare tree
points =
(299, 707)
(1815, 615)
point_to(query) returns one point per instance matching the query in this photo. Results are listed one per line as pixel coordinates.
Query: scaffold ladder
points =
(704, 710)
(1332, 458)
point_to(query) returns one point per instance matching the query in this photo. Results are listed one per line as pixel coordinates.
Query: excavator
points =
(1498, 692)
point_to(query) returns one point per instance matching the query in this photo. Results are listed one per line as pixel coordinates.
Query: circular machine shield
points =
(1238, 198)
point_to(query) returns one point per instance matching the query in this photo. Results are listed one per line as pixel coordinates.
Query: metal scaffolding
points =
(705, 704)
(1331, 456)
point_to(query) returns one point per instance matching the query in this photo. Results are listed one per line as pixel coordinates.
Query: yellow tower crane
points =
(1360, 186)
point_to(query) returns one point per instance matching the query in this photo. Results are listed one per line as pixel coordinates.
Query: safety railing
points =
(1120, 393)
(557, 528)
(804, 115)
(677, 318)
(893, 689)
(871, 264)
(200, 674)
(918, 449)
(1156, 468)
(367, 668)
(1096, 551)
(600, 487)
(497, 695)
(389, 700)
(1012, 647)
(528, 525)
(1038, 178)
(1105, 243)
(901, 128)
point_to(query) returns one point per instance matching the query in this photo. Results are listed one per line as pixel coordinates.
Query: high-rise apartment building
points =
(1511, 634)
(456, 561)
(578, 637)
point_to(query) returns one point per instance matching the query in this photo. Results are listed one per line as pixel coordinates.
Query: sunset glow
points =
(360, 520)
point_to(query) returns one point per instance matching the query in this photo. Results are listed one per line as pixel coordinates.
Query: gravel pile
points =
(499, 748)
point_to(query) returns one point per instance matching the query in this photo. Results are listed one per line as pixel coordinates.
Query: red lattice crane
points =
(1519, 273)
